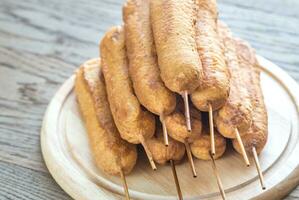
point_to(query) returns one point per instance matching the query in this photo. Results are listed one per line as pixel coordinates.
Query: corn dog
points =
(174, 33)
(175, 124)
(174, 151)
(201, 146)
(254, 140)
(257, 134)
(237, 112)
(214, 85)
(143, 66)
(110, 152)
(134, 124)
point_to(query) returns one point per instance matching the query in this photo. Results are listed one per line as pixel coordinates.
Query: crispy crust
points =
(215, 83)
(173, 24)
(174, 151)
(237, 111)
(143, 65)
(257, 135)
(176, 123)
(201, 146)
(110, 152)
(132, 122)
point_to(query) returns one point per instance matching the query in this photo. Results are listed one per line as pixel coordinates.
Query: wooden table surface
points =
(41, 44)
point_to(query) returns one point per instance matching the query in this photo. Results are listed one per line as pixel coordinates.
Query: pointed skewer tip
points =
(190, 158)
(258, 168)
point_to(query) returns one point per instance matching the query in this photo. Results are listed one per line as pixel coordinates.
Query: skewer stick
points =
(212, 136)
(176, 180)
(258, 168)
(217, 177)
(165, 134)
(190, 158)
(187, 110)
(126, 190)
(242, 147)
(148, 153)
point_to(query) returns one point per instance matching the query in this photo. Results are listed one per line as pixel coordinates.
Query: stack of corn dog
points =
(173, 79)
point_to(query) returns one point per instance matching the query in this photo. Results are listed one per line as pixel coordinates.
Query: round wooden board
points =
(67, 155)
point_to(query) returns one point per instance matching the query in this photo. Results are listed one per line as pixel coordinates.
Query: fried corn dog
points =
(134, 124)
(175, 124)
(200, 147)
(214, 85)
(258, 132)
(174, 33)
(256, 137)
(237, 112)
(235, 117)
(112, 154)
(174, 151)
(143, 65)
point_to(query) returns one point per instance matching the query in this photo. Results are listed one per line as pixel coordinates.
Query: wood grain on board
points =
(41, 44)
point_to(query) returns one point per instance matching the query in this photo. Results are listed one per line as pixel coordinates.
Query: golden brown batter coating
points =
(174, 151)
(132, 122)
(257, 135)
(173, 23)
(201, 146)
(176, 124)
(237, 112)
(110, 152)
(215, 83)
(143, 65)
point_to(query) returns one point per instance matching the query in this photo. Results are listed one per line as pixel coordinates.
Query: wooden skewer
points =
(242, 147)
(258, 167)
(212, 136)
(126, 190)
(187, 110)
(165, 134)
(148, 154)
(217, 176)
(176, 180)
(190, 158)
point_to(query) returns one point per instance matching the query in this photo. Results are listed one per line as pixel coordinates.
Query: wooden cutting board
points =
(67, 154)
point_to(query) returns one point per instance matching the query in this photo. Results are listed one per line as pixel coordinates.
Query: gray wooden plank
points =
(23, 183)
